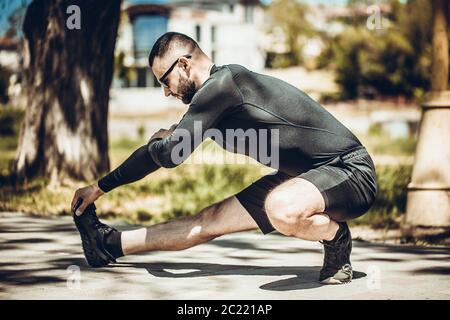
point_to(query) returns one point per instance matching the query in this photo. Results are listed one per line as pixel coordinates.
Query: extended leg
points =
(221, 218)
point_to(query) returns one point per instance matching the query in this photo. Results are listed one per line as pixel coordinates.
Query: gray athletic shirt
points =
(237, 98)
(234, 97)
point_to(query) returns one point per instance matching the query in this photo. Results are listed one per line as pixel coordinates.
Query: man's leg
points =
(226, 216)
(295, 208)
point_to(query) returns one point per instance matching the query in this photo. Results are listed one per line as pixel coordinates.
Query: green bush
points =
(4, 83)
(289, 17)
(390, 203)
(10, 120)
(366, 61)
(188, 191)
(393, 61)
(380, 143)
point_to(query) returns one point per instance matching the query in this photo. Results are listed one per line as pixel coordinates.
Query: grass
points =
(390, 204)
(165, 194)
(379, 142)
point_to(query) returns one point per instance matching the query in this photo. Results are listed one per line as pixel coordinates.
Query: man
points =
(325, 175)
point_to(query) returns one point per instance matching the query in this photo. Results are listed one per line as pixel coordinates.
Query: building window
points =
(231, 8)
(146, 30)
(152, 81)
(213, 34)
(198, 33)
(141, 77)
(249, 14)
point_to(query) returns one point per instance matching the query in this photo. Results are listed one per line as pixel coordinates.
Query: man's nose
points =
(167, 92)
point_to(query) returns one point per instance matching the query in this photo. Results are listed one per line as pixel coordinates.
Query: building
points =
(228, 31)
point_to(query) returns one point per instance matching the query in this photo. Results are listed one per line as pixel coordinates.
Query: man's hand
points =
(162, 133)
(89, 194)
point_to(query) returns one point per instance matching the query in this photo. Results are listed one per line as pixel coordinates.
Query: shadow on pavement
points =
(24, 241)
(304, 277)
(246, 245)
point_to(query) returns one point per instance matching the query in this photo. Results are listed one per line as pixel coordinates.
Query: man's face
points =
(177, 81)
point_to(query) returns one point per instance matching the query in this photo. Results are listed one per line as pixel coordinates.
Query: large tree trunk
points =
(439, 72)
(68, 74)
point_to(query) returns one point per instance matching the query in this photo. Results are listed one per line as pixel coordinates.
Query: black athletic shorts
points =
(347, 184)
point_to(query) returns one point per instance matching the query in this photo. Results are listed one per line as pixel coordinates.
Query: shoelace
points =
(105, 229)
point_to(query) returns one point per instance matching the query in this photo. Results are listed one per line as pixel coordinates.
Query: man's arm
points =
(138, 165)
(212, 102)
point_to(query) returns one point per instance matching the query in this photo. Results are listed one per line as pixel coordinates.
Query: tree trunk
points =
(68, 74)
(439, 72)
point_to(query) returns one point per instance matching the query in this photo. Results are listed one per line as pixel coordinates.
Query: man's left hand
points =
(162, 133)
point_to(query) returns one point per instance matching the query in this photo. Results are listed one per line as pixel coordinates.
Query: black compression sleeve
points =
(136, 167)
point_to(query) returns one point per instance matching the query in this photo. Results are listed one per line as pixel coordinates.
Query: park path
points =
(41, 258)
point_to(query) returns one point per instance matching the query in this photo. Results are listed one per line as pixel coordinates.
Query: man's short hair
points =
(168, 40)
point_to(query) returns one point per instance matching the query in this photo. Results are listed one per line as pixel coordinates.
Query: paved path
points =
(40, 259)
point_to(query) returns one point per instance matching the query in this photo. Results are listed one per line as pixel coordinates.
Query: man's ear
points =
(185, 65)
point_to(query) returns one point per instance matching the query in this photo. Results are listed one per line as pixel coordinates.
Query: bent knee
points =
(286, 214)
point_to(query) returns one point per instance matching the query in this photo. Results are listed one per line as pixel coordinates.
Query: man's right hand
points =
(89, 194)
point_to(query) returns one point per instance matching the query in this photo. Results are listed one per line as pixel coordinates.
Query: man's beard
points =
(186, 89)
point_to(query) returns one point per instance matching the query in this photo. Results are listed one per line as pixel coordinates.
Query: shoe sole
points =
(332, 281)
(94, 256)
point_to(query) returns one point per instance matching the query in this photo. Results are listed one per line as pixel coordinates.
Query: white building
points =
(228, 31)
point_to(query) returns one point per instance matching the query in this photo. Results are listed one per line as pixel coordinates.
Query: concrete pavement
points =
(41, 258)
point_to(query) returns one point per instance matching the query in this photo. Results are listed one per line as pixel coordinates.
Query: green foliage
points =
(186, 189)
(127, 144)
(379, 143)
(390, 203)
(289, 17)
(10, 120)
(204, 186)
(392, 61)
(4, 83)
(141, 132)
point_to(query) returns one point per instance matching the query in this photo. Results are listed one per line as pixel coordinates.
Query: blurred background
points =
(77, 98)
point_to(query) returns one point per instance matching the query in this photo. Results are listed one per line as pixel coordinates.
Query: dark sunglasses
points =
(164, 76)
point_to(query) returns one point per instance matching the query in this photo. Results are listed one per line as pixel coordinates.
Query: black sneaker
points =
(93, 234)
(337, 268)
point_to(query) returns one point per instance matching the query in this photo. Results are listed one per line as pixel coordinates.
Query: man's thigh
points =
(295, 198)
(286, 192)
(347, 188)
(253, 197)
(348, 184)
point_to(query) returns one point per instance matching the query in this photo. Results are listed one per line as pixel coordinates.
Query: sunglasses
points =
(164, 76)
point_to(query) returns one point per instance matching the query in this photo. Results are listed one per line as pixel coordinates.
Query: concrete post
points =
(429, 191)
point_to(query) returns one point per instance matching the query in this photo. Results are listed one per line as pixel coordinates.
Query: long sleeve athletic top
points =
(236, 98)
